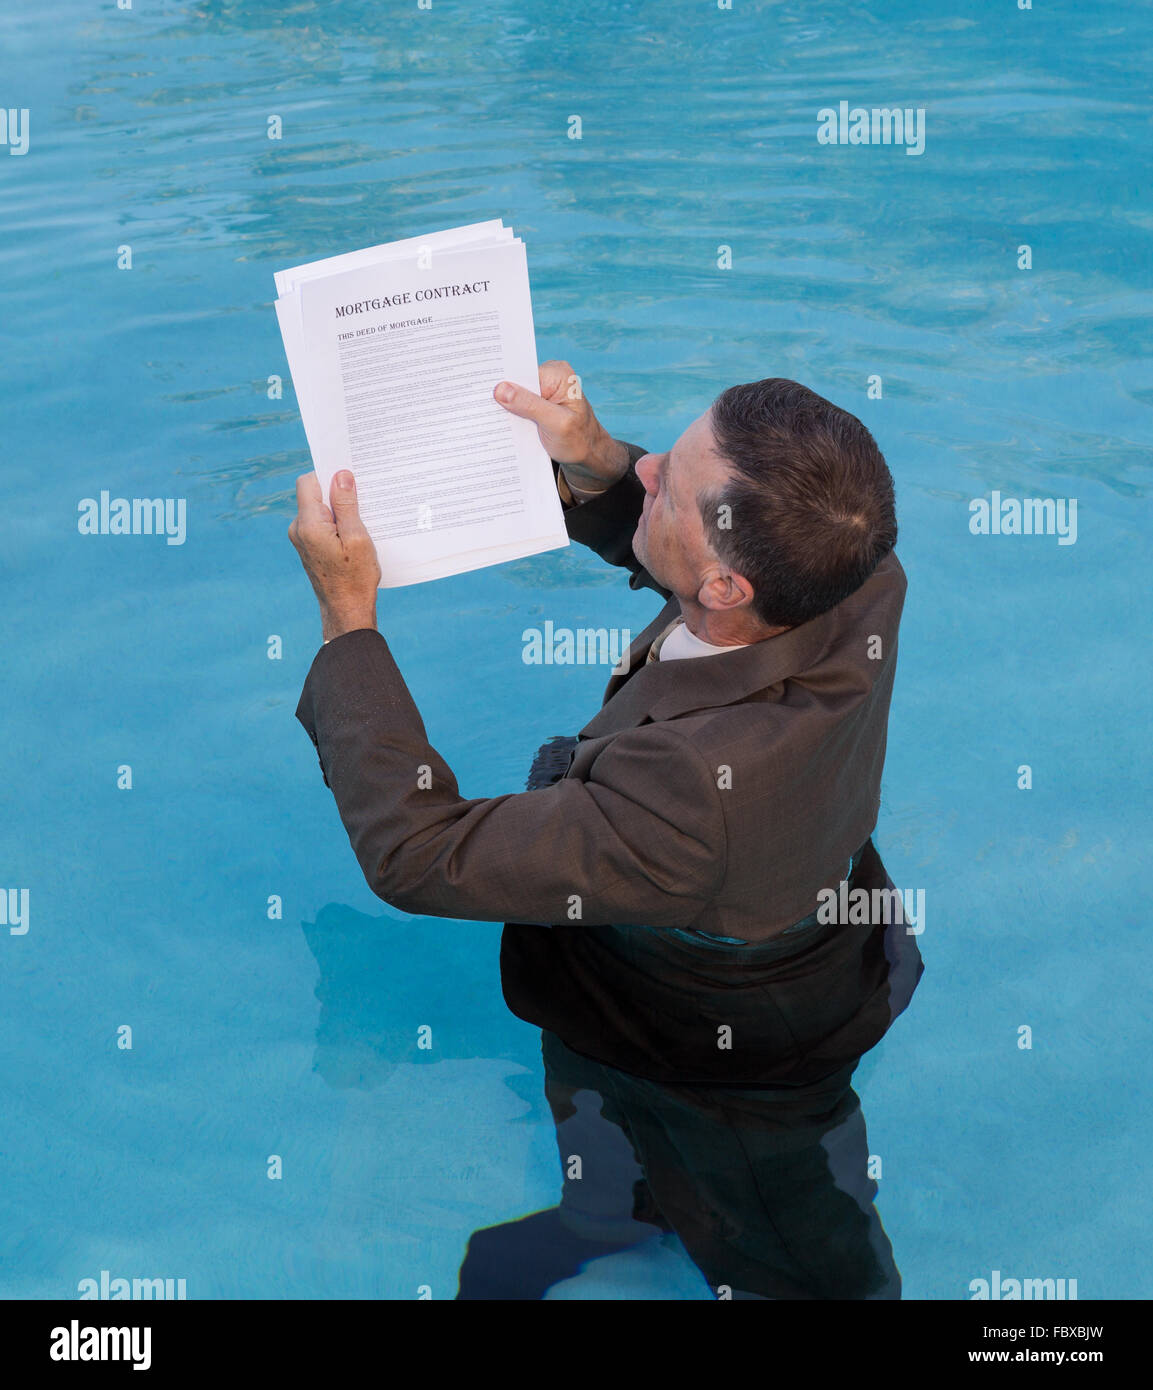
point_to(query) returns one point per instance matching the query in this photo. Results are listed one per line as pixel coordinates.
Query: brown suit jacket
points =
(713, 794)
(644, 828)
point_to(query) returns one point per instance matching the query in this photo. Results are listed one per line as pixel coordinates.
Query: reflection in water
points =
(358, 1043)
(417, 1145)
(767, 1190)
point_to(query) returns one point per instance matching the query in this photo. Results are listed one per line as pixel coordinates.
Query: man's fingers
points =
(310, 500)
(517, 400)
(345, 510)
(556, 376)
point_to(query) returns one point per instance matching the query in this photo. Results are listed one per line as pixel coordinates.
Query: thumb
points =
(519, 400)
(345, 512)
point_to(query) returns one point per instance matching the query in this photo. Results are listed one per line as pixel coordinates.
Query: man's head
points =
(769, 510)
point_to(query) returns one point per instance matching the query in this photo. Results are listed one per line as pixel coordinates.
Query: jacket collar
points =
(837, 639)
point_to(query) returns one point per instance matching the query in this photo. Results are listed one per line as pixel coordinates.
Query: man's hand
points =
(592, 459)
(337, 553)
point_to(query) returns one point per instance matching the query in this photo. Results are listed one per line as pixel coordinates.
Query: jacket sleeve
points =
(642, 841)
(606, 523)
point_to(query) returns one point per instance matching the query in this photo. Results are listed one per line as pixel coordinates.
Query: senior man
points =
(670, 880)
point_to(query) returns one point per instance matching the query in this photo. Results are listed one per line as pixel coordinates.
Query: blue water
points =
(297, 1037)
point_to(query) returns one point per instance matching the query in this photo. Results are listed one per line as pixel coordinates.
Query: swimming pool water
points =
(296, 1037)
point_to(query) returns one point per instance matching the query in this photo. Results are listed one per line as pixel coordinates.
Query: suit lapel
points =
(639, 650)
(665, 689)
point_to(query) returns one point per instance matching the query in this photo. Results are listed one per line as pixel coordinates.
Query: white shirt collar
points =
(682, 643)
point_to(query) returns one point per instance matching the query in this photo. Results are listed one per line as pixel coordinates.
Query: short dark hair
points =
(811, 505)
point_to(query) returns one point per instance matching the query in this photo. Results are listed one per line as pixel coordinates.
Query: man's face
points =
(670, 537)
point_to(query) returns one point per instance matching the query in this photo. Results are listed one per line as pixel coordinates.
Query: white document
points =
(394, 353)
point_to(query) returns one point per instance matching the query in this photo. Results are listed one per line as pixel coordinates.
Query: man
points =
(702, 1015)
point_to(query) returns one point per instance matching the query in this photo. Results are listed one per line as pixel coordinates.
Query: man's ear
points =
(723, 589)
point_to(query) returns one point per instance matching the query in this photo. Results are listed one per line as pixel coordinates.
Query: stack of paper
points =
(394, 353)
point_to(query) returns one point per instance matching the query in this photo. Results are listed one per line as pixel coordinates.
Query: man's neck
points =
(731, 628)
